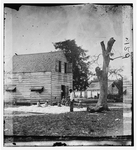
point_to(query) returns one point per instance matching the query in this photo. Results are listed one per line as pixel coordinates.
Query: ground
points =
(43, 121)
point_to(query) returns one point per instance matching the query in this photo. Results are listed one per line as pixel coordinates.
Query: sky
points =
(34, 29)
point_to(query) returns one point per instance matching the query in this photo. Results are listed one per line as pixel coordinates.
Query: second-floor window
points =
(65, 67)
(58, 66)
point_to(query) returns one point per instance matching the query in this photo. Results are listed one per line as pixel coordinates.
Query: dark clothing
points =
(71, 105)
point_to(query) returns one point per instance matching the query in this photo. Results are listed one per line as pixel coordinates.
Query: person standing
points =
(71, 100)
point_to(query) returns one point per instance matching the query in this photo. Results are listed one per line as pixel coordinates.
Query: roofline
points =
(98, 81)
(39, 53)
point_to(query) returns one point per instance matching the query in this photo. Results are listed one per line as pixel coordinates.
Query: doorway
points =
(64, 91)
(63, 94)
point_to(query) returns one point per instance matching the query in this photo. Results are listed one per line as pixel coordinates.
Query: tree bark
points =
(102, 101)
(103, 78)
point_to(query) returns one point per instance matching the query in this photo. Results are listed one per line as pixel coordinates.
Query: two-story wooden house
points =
(39, 77)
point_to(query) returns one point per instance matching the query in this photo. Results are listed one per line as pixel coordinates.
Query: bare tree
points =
(102, 75)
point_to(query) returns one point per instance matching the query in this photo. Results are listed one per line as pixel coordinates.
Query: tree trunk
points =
(102, 101)
(103, 78)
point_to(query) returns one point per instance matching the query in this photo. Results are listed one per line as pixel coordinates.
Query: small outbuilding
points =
(94, 89)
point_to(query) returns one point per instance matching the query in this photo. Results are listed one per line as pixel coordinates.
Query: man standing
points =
(71, 100)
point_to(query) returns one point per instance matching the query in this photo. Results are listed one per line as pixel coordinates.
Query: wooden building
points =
(39, 77)
(94, 90)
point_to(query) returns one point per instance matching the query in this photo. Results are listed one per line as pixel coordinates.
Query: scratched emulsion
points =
(34, 29)
(127, 73)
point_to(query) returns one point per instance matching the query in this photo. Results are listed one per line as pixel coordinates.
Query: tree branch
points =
(110, 44)
(115, 72)
(120, 76)
(103, 47)
(96, 58)
(126, 56)
(116, 57)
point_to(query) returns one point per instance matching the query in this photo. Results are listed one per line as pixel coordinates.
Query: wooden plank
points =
(57, 81)
(28, 80)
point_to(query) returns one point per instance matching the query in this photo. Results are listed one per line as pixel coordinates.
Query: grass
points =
(67, 124)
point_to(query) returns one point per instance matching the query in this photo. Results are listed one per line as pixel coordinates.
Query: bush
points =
(116, 97)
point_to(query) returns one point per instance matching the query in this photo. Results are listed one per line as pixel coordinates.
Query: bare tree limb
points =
(103, 47)
(126, 56)
(110, 44)
(115, 72)
(116, 58)
(120, 76)
(96, 59)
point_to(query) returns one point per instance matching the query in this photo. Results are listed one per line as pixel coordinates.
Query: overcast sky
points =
(33, 29)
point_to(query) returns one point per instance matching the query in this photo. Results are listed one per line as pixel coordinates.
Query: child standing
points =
(71, 100)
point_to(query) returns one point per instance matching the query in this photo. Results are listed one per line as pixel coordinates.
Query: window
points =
(11, 88)
(65, 67)
(37, 88)
(58, 66)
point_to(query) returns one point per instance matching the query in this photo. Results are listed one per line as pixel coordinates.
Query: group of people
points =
(64, 101)
(69, 101)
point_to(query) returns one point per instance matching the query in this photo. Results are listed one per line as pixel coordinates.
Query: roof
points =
(96, 86)
(38, 62)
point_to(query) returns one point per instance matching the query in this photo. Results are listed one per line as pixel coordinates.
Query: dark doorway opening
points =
(63, 94)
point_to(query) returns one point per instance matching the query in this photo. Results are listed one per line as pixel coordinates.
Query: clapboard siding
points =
(57, 81)
(50, 81)
(60, 78)
(24, 81)
(60, 57)
(34, 75)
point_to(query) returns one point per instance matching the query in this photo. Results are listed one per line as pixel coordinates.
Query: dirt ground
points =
(58, 121)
